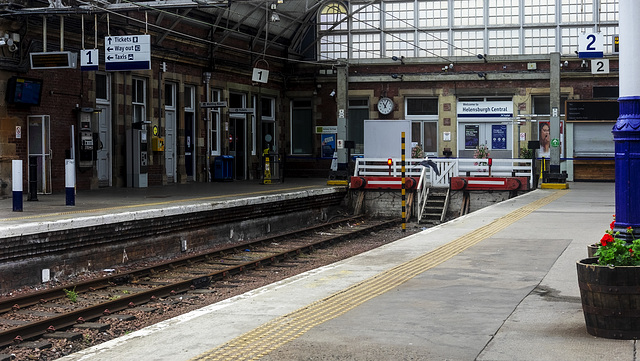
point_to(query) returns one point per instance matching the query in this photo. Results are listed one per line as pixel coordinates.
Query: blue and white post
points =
(626, 131)
(70, 181)
(16, 184)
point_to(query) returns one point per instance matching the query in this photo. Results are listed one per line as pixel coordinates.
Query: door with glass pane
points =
(424, 135)
(40, 150)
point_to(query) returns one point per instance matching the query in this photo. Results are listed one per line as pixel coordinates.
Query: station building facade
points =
(465, 73)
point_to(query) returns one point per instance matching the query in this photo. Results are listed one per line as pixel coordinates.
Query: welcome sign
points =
(499, 109)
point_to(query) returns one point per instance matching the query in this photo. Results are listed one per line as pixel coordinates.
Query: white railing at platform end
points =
(448, 167)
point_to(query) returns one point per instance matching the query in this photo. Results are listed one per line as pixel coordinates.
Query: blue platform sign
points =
(128, 52)
(590, 45)
(498, 136)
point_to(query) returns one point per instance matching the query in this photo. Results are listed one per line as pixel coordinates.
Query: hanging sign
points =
(590, 45)
(129, 52)
(260, 75)
(89, 59)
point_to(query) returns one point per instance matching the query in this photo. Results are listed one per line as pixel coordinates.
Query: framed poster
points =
(498, 136)
(471, 136)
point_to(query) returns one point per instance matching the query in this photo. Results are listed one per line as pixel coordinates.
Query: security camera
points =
(333, 93)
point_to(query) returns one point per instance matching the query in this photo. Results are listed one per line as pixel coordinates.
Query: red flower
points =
(606, 239)
(612, 224)
(631, 250)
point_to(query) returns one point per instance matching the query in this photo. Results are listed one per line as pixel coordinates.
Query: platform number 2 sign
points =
(590, 45)
(599, 66)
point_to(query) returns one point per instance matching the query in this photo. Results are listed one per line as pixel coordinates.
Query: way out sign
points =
(260, 75)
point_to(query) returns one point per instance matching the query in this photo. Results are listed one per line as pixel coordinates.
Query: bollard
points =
(16, 180)
(33, 178)
(70, 181)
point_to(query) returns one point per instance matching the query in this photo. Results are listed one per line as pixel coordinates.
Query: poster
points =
(328, 145)
(471, 136)
(498, 136)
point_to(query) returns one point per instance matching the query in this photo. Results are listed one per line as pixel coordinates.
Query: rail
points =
(447, 168)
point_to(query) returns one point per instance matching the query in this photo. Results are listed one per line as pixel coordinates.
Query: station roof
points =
(252, 19)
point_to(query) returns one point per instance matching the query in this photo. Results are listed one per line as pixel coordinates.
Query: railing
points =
(448, 167)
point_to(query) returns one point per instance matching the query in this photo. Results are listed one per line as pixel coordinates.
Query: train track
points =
(61, 308)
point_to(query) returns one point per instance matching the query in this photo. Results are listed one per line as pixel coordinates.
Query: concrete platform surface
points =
(497, 284)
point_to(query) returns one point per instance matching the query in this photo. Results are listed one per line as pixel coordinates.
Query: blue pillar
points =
(626, 132)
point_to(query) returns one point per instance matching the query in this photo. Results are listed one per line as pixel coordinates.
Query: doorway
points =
(40, 150)
(103, 151)
(237, 145)
(170, 131)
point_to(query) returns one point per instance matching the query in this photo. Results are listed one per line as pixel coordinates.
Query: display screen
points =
(24, 91)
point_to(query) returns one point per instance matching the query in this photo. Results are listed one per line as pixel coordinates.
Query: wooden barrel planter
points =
(610, 299)
(591, 249)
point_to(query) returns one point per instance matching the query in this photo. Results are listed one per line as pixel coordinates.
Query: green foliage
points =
(526, 153)
(71, 295)
(614, 251)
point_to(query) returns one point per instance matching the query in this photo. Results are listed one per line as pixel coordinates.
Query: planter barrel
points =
(610, 299)
(591, 249)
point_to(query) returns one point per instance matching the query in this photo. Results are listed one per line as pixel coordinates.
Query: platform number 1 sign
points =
(260, 75)
(89, 59)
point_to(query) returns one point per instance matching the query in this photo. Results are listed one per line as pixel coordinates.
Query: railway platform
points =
(108, 201)
(497, 284)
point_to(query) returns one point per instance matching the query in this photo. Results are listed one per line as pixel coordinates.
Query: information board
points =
(592, 110)
(128, 52)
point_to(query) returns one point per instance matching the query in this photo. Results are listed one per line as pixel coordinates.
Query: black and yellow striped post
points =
(404, 209)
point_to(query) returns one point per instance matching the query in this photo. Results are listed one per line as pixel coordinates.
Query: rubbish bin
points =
(223, 168)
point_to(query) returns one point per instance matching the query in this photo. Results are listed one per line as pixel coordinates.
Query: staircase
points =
(434, 208)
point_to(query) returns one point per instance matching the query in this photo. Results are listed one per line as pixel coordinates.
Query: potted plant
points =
(610, 287)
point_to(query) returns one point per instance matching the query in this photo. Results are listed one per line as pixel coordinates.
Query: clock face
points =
(385, 105)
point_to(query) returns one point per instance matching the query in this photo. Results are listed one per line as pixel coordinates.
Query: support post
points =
(404, 205)
(626, 131)
(16, 184)
(70, 181)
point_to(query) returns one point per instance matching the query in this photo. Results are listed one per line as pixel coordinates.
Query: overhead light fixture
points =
(275, 17)
(483, 57)
(273, 6)
(395, 58)
(396, 76)
(333, 93)
(482, 75)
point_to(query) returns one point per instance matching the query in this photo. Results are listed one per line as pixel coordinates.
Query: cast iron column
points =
(626, 131)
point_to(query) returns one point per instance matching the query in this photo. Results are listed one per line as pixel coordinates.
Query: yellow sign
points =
(157, 144)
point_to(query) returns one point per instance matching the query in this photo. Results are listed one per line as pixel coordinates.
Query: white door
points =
(170, 145)
(103, 148)
(170, 131)
(40, 150)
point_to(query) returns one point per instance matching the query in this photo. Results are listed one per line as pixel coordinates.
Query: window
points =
(102, 87)
(423, 113)
(139, 100)
(444, 28)
(301, 127)
(505, 12)
(468, 12)
(269, 125)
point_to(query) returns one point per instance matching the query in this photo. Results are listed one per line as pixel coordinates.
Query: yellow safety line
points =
(151, 204)
(273, 334)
